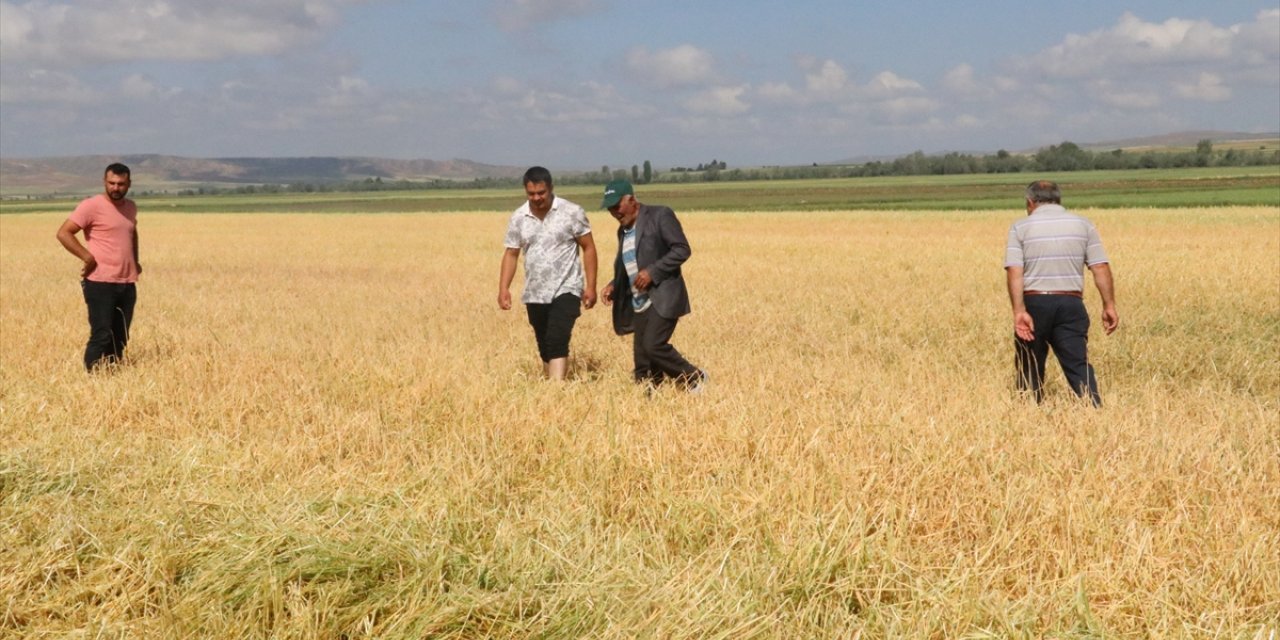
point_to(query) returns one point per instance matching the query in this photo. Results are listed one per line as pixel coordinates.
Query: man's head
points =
(539, 190)
(620, 200)
(1042, 192)
(115, 181)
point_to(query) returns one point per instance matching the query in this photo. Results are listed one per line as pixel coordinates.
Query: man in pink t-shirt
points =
(109, 221)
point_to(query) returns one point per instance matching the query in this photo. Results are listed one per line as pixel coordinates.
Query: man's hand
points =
(1110, 319)
(504, 299)
(606, 294)
(643, 280)
(1023, 326)
(588, 298)
(90, 264)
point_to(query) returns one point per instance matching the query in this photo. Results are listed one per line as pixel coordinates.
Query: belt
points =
(1033, 292)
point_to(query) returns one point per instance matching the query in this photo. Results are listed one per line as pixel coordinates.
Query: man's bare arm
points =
(1107, 289)
(506, 274)
(589, 260)
(67, 236)
(1023, 326)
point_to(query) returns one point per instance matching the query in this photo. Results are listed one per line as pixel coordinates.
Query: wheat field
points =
(326, 428)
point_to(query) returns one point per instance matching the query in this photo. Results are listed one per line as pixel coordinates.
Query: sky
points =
(580, 84)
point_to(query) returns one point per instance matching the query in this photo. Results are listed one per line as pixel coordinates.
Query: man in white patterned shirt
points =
(1044, 263)
(550, 231)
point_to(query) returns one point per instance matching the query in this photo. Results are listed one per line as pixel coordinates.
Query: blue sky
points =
(576, 84)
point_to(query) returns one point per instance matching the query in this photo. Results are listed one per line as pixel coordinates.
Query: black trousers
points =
(1061, 322)
(110, 307)
(553, 325)
(655, 358)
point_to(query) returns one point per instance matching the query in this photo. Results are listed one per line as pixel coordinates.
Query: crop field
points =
(1203, 187)
(326, 428)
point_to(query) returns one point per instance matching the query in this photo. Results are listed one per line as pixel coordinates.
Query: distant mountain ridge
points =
(76, 175)
(1178, 139)
(154, 172)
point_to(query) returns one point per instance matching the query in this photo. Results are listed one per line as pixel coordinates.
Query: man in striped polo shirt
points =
(1044, 263)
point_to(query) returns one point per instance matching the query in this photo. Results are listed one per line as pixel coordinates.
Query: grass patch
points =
(1168, 188)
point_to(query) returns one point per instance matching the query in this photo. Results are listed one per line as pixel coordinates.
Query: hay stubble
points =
(327, 427)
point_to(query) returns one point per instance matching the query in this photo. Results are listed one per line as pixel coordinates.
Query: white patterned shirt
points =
(550, 246)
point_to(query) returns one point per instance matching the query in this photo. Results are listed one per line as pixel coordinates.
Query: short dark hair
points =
(116, 168)
(1044, 191)
(536, 175)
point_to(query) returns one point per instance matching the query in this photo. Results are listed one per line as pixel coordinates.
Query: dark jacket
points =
(661, 248)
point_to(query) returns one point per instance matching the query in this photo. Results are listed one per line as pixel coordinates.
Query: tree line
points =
(1067, 156)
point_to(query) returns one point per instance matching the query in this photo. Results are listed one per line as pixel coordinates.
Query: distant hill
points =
(82, 174)
(1180, 139)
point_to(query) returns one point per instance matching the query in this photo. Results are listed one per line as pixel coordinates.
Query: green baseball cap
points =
(614, 191)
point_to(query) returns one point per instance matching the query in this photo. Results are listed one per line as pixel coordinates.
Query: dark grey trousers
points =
(110, 308)
(1061, 323)
(655, 358)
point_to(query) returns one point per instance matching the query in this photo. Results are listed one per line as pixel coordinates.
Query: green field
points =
(1194, 187)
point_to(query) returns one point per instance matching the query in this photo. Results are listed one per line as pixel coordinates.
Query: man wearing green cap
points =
(649, 287)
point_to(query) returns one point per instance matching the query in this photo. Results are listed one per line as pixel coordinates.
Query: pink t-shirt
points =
(108, 232)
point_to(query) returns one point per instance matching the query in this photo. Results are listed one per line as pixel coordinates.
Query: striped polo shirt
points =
(639, 300)
(1053, 246)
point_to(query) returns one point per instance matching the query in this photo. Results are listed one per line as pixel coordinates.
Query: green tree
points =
(1067, 156)
(1204, 152)
(648, 172)
(635, 174)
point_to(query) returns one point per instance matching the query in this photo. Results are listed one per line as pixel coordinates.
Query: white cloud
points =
(1208, 87)
(520, 15)
(1132, 43)
(348, 92)
(887, 84)
(829, 79)
(780, 93)
(280, 96)
(1258, 43)
(530, 105)
(825, 82)
(1124, 97)
(42, 87)
(906, 109)
(723, 101)
(139, 87)
(507, 85)
(17, 24)
(1139, 67)
(961, 79)
(65, 34)
(682, 66)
